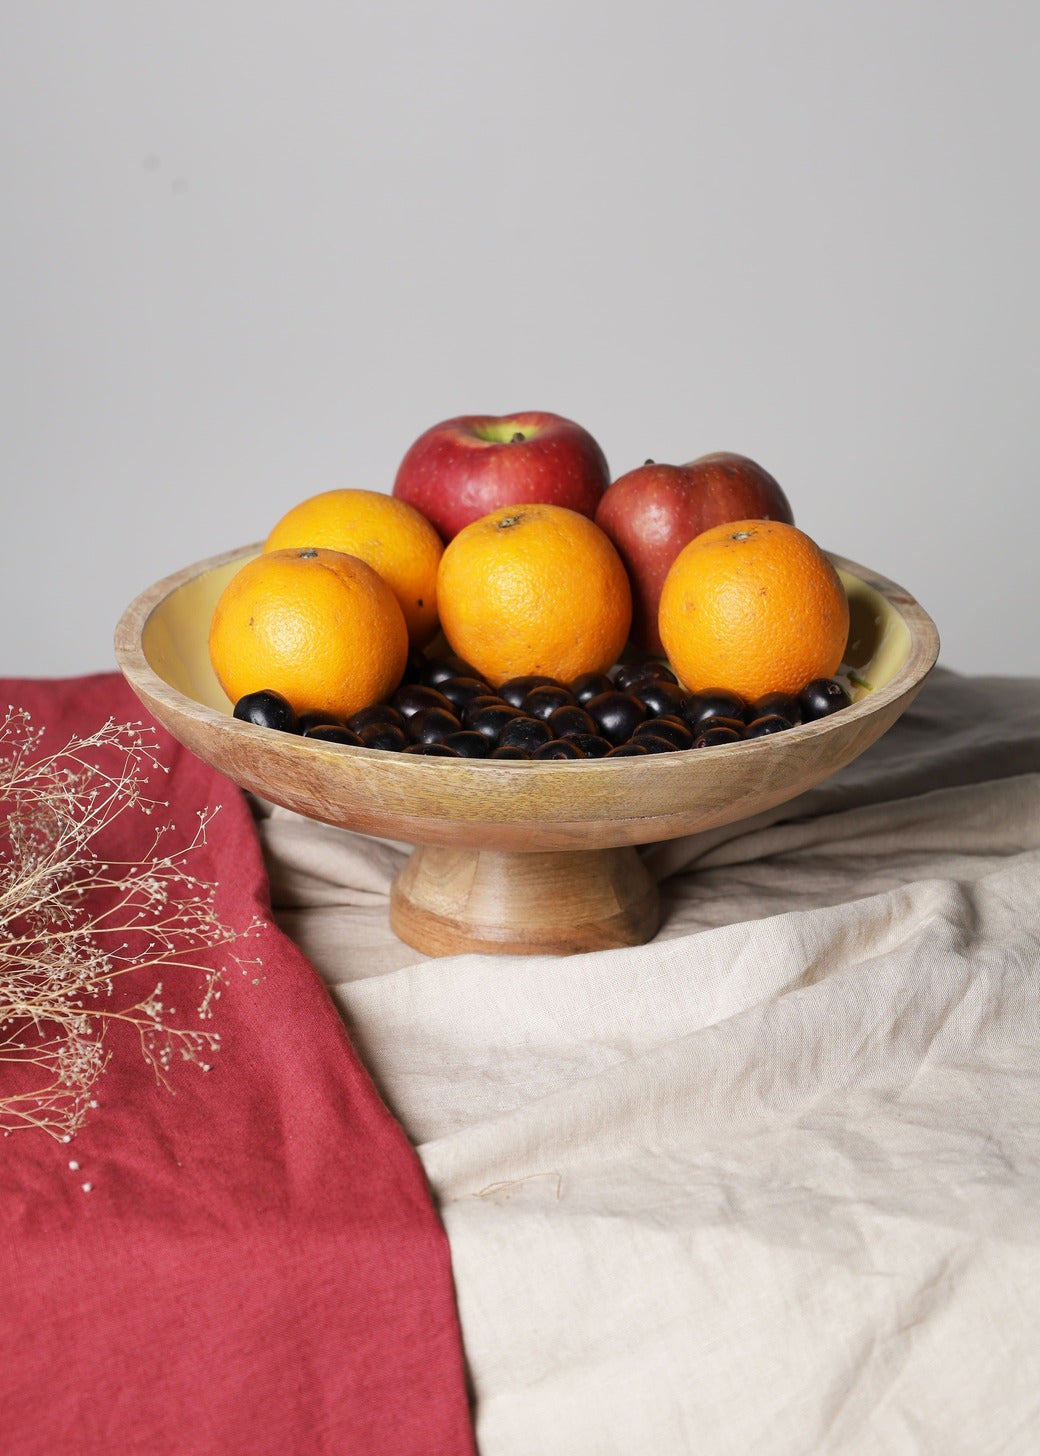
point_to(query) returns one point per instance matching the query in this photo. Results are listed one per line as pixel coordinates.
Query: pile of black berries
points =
(443, 708)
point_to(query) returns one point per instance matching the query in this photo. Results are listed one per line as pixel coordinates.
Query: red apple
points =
(464, 468)
(652, 512)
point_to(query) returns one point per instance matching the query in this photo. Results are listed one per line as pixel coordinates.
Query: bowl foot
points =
(447, 900)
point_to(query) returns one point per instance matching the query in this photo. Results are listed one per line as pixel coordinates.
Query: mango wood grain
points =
(519, 808)
(448, 900)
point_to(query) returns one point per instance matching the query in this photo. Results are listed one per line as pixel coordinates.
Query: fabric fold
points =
(769, 1183)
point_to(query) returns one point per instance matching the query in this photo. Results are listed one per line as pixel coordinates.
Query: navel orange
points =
(391, 535)
(534, 589)
(753, 607)
(321, 628)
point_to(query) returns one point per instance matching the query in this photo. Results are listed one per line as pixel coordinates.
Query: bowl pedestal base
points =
(446, 901)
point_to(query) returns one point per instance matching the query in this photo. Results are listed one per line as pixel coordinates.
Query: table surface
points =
(770, 1183)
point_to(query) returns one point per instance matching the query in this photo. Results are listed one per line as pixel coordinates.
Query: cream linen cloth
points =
(770, 1184)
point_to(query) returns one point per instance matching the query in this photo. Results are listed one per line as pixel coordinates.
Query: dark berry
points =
(306, 721)
(589, 684)
(558, 748)
(781, 703)
(432, 725)
(674, 729)
(507, 750)
(383, 735)
(700, 706)
(713, 737)
(380, 714)
(515, 690)
(266, 709)
(659, 697)
(542, 701)
(824, 695)
(483, 700)
(570, 719)
(616, 714)
(490, 718)
(768, 723)
(656, 743)
(459, 690)
(436, 669)
(335, 733)
(736, 725)
(591, 744)
(410, 697)
(433, 750)
(524, 732)
(469, 742)
(627, 674)
(633, 749)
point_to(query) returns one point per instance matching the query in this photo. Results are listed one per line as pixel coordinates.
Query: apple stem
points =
(518, 438)
(648, 462)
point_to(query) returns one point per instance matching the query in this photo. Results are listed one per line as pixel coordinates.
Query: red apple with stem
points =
(465, 467)
(651, 513)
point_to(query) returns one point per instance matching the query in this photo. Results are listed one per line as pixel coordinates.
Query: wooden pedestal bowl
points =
(517, 856)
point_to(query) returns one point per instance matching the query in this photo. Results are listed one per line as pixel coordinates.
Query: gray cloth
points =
(770, 1183)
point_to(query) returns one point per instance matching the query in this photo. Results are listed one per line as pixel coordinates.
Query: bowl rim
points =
(148, 684)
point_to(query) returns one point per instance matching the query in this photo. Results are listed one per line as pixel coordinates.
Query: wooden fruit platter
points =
(517, 856)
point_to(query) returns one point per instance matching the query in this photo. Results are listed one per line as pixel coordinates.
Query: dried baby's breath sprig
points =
(72, 924)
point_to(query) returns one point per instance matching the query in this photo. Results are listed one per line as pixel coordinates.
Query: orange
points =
(534, 589)
(391, 535)
(321, 628)
(753, 607)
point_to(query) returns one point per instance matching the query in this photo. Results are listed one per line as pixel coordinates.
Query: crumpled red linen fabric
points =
(257, 1266)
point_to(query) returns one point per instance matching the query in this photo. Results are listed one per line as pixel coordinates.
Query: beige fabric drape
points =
(771, 1183)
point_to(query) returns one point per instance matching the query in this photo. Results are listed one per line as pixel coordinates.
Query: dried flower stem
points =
(72, 924)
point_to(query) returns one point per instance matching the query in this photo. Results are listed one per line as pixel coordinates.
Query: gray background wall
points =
(250, 250)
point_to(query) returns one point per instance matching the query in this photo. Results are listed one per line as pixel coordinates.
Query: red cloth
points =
(258, 1266)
